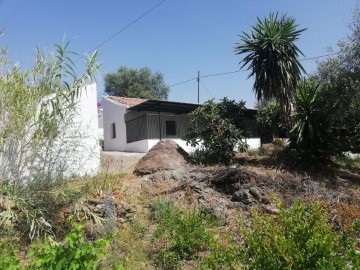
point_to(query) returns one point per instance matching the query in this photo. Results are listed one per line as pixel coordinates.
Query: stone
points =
(255, 192)
(99, 206)
(265, 200)
(129, 215)
(271, 209)
(243, 196)
(122, 220)
(97, 210)
(109, 208)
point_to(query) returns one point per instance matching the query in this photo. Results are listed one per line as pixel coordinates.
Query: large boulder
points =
(165, 155)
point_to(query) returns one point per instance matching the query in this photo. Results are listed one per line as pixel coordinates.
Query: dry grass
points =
(347, 214)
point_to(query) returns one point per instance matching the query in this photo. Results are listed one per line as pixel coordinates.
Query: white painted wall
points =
(77, 148)
(253, 143)
(144, 146)
(74, 152)
(114, 113)
(86, 122)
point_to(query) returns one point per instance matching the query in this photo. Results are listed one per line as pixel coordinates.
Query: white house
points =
(136, 125)
(74, 152)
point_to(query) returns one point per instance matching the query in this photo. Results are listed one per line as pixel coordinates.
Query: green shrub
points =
(216, 129)
(8, 256)
(299, 238)
(222, 257)
(181, 234)
(75, 253)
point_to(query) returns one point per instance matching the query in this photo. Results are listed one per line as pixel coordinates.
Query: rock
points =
(243, 196)
(265, 200)
(122, 220)
(240, 205)
(121, 212)
(100, 206)
(271, 209)
(165, 155)
(109, 208)
(129, 215)
(94, 201)
(255, 192)
(97, 210)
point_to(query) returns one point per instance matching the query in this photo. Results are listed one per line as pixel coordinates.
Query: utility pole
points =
(198, 80)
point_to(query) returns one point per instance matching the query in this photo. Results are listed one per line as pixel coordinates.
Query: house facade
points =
(136, 125)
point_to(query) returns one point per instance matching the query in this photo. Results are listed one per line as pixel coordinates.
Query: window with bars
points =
(170, 128)
(113, 131)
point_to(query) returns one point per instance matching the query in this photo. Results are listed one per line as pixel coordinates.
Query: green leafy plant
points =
(74, 253)
(308, 119)
(181, 234)
(269, 119)
(8, 255)
(215, 131)
(136, 83)
(222, 256)
(339, 77)
(299, 238)
(37, 107)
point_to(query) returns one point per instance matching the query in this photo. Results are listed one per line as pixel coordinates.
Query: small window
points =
(170, 128)
(113, 131)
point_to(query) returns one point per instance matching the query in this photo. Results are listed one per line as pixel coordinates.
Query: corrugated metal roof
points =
(165, 106)
(126, 100)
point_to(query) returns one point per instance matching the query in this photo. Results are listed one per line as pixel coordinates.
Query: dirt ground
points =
(112, 161)
(222, 191)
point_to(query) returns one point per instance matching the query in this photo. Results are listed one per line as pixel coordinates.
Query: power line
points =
(207, 90)
(223, 73)
(124, 28)
(183, 82)
(320, 56)
(236, 71)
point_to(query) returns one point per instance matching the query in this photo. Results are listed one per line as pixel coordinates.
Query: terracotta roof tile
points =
(126, 100)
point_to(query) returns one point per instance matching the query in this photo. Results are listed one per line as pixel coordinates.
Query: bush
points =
(308, 130)
(299, 238)
(8, 255)
(182, 234)
(217, 129)
(75, 253)
(222, 256)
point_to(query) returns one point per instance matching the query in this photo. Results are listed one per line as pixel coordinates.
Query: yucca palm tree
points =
(272, 57)
(308, 118)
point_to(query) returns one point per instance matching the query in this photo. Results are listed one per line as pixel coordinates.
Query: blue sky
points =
(178, 38)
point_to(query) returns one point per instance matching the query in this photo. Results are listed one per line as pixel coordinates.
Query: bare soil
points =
(254, 182)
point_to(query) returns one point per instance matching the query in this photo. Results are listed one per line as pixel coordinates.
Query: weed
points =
(222, 255)
(130, 248)
(180, 234)
(8, 255)
(75, 253)
(299, 238)
(348, 162)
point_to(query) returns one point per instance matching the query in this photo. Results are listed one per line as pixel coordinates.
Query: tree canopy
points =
(272, 57)
(339, 76)
(136, 83)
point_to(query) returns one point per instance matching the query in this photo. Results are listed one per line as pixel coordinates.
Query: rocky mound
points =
(165, 155)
